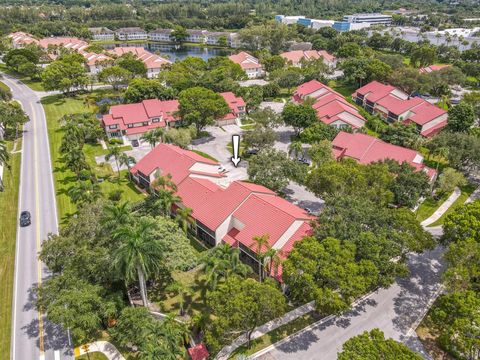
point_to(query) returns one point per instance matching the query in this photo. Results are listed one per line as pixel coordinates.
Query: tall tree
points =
(299, 116)
(201, 106)
(154, 136)
(373, 345)
(114, 152)
(461, 117)
(115, 76)
(139, 254)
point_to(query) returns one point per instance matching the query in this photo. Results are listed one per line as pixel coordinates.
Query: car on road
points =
(25, 218)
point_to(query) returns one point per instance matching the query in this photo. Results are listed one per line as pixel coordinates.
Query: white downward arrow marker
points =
(236, 146)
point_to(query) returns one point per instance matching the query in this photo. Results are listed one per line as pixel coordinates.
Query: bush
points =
(85, 175)
(115, 195)
(115, 142)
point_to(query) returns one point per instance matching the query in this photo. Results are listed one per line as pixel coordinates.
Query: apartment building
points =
(153, 62)
(226, 212)
(393, 105)
(250, 64)
(102, 34)
(296, 57)
(161, 35)
(131, 33)
(331, 107)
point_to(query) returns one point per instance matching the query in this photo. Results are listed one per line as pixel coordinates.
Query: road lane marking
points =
(57, 355)
(17, 251)
(38, 236)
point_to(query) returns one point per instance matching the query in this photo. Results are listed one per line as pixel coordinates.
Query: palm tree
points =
(153, 137)
(261, 242)
(115, 215)
(184, 218)
(182, 291)
(4, 158)
(235, 266)
(85, 192)
(139, 254)
(114, 152)
(75, 160)
(127, 160)
(164, 182)
(295, 148)
(166, 199)
(274, 260)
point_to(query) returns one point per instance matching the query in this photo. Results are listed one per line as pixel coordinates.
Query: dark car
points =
(252, 152)
(304, 161)
(25, 218)
(135, 143)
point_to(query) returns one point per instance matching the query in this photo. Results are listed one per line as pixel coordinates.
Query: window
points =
(130, 125)
(155, 120)
(145, 123)
(112, 126)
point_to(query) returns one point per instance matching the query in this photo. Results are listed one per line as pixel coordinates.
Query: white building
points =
(131, 33)
(373, 19)
(162, 35)
(317, 24)
(102, 34)
(196, 36)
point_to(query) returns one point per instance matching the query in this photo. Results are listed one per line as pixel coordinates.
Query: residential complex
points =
(296, 57)
(161, 35)
(130, 121)
(231, 213)
(102, 34)
(393, 105)
(131, 33)
(367, 149)
(21, 39)
(331, 107)
(153, 62)
(250, 64)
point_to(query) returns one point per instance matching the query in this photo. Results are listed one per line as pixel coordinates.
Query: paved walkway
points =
(104, 347)
(265, 328)
(442, 208)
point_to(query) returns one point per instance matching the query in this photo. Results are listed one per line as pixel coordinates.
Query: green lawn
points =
(276, 335)
(8, 226)
(344, 89)
(466, 192)
(55, 107)
(205, 155)
(93, 356)
(428, 207)
(34, 85)
(194, 304)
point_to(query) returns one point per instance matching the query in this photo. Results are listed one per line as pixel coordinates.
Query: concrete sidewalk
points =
(104, 347)
(442, 208)
(265, 328)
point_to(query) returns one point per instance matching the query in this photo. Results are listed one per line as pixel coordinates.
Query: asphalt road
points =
(396, 311)
(33, 337)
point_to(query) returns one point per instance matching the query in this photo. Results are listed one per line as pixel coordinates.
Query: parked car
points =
(304, 161)
(252, 152)
(25, 218)
(135, 143)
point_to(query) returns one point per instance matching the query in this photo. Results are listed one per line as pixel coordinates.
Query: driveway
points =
(395, 311)
(275, 106)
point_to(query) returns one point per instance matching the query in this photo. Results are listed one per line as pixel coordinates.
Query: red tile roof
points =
(245, 60)
(429, 69)
(297, 55)
(151, 61)
(329, 104)
(198, 352)
(434, 129)
(367, 149)
(233, 102)
(419, 111)
(170, 159)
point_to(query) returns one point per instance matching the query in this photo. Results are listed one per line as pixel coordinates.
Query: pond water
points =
(174, 52)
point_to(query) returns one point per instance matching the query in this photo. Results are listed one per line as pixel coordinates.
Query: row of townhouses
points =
(130, 121)
(164, 35)
(390, 103)
(231, 212)
(95, 62)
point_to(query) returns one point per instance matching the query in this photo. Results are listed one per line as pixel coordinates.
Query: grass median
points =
(55, 107)
(8, 231)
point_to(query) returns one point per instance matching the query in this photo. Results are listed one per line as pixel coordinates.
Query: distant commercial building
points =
(131, 33)
(317, 24)
(373, 19)
(102, 34)
(348, 26)
(162, 35)
(288, 20)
